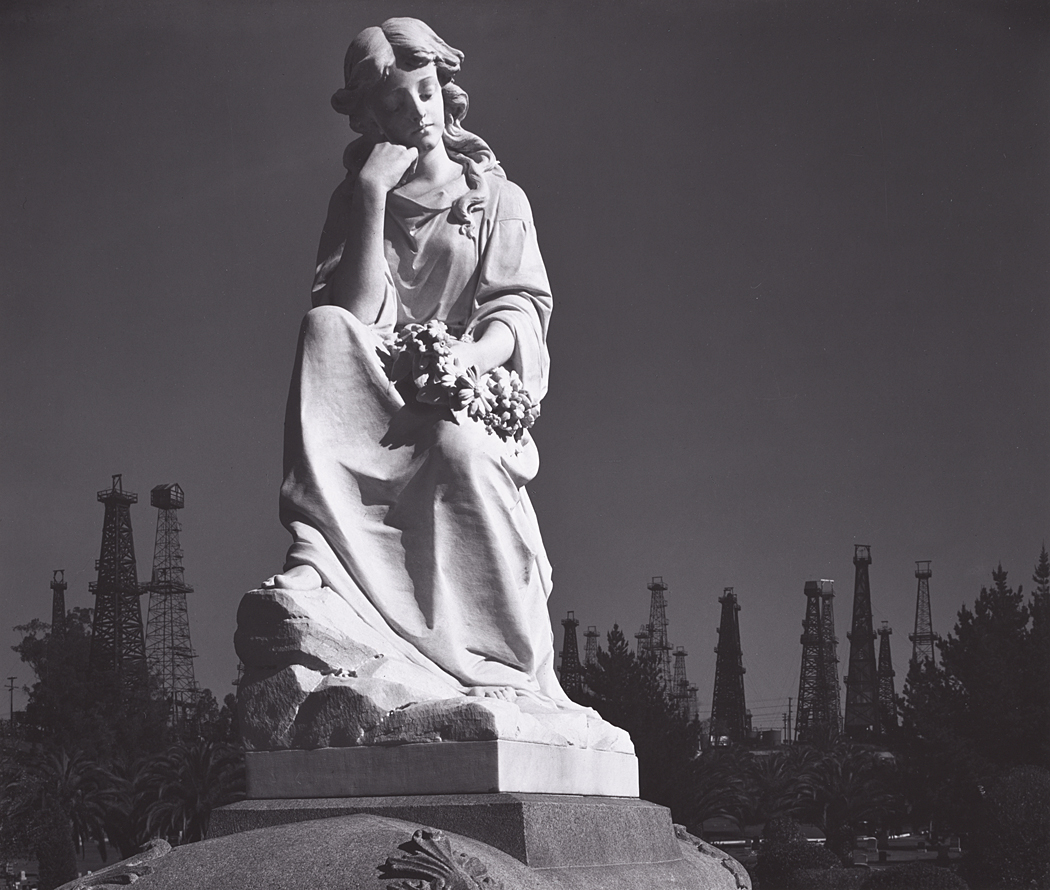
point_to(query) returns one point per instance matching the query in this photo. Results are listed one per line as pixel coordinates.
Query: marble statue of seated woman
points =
(413, 602)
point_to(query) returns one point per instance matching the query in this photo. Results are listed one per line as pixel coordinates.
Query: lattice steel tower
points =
(862, 682)
(168, 650)
(832, 688)
(641, 640)
(590, 649)
(887, 694)
(58, 604)
(57, 637)
(117, 642)
(656, 645)
(728, 710)
(571, 675)
(813, 705)
(922, 639)
(684, 694)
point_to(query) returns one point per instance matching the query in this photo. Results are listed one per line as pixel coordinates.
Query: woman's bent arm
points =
(359, 282)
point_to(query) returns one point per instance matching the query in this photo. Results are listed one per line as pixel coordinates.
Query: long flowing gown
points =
(422, 525)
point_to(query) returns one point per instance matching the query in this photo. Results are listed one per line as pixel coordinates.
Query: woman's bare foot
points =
(296, 578)
(503, 693)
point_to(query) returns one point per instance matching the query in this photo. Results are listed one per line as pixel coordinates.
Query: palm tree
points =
(177, 790)
(60, 800)
(781, 784)
(852, 786)
(717, 786)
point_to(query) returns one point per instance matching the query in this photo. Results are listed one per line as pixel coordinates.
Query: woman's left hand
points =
(489, 350)
(465, 354)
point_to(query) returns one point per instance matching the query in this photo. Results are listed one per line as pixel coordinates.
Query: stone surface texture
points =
(369, 852)
(540, 830)
(307, 685)
(458, 767)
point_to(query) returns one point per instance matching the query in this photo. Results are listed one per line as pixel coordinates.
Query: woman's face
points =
(409, 108)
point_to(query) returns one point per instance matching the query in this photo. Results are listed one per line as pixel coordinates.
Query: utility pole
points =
(11, 689)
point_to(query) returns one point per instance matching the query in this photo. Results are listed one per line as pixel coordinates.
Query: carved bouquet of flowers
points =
(421, 353)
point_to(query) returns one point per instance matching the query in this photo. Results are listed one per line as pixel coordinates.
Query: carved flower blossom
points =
(498, 399)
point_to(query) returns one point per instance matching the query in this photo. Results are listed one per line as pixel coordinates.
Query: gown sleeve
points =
(513, 287)
(330, 253)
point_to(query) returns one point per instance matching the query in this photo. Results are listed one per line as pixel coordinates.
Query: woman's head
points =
(404, 43)
(410, 45)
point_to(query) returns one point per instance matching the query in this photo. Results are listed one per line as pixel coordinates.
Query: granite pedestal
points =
(570, 817)
(564, 841)
(369, 852)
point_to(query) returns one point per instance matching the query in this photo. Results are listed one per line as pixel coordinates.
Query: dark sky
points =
(799, 254)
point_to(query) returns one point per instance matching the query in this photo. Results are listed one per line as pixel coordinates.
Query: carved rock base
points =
(440, 768)
(308, 684)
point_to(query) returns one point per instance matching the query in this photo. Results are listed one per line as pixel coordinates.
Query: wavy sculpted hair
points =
(409, 44)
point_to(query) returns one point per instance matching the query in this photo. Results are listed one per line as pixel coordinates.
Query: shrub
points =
(913, 876)
(783, 830)
(1009, 837)
(778, 862)
(828, 879)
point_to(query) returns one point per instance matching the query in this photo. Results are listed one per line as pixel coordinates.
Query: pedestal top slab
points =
(440, 768)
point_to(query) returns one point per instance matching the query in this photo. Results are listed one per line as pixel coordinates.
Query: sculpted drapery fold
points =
(421, 524)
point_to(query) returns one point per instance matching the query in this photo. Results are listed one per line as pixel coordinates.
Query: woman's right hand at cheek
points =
(386, 167)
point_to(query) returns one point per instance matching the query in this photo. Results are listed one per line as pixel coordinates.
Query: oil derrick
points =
(58, 605)
(684, 694)
(640, 640)
(728, 710)
(862, 682)
(571, 675)
(656, 645)
(922, 639)
(117, 642)
(590, 649)
(887, 694)
(813, 705)
(168, 650)
(58, 614)
(832, 689)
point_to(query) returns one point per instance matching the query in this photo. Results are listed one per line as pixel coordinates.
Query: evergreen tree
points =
(985, 662)
(984, 708)
(1039, 656)
(68, 708)
(627, 692)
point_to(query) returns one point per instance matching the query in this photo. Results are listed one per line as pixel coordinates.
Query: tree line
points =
(87, 765)
(971, 756)
(84, 765)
